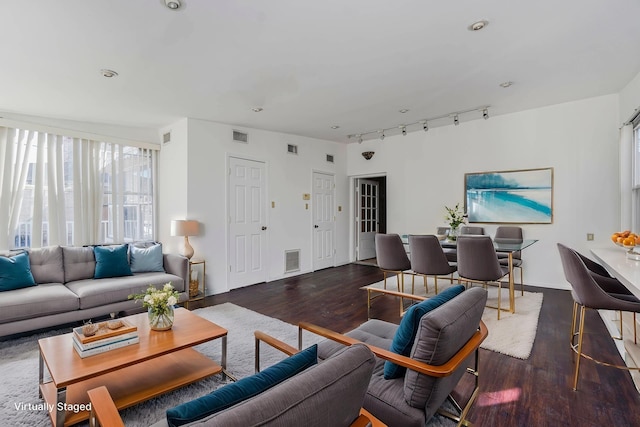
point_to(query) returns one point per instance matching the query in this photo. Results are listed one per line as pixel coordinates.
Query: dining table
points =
(504, 245)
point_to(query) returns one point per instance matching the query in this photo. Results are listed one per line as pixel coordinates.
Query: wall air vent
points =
(292, 149)
(330, 158)
(166, 138)
(292, 260)
(240, 137)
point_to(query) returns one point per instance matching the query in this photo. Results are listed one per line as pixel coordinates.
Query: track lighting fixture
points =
(424, 123)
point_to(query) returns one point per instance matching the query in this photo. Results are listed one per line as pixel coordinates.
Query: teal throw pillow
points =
(243, 389)
(15, 272)
(146, 259)
(406, 332)
(111, 261)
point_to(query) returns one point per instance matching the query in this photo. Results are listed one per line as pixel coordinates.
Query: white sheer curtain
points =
(59, 190)
(14, 158)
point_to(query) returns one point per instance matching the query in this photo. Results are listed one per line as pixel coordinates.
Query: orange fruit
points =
(614, 237)
(629, 242)
(620, 239)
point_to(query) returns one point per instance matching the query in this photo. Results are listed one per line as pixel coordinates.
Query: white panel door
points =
(367, 219)
(323, 220)
(247, 222)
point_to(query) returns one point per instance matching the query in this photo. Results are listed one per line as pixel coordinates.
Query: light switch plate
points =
(589, 236)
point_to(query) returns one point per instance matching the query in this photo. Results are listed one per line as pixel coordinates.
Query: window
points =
(635, 196)
(60, 190)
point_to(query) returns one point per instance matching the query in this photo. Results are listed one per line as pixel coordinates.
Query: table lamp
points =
(186, 228)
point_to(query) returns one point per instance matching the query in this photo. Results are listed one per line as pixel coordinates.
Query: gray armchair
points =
(445, 348)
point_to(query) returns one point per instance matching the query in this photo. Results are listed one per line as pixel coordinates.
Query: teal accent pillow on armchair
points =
(243, 389)
(15, 272)
(406, 332)
(111, 261)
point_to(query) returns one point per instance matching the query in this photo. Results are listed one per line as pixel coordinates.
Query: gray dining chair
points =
(428, 259)
(478, 263)
(391, 257)
(450, 253)
(509, 233)
(470, 229)
(587, 293)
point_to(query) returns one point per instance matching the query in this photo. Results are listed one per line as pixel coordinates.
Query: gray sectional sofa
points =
(65, 289)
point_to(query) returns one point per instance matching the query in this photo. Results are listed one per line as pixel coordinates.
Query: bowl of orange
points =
(626, 239)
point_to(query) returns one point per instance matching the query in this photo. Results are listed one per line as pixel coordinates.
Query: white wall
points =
(203, 194)
(630, 99)
(425, 172)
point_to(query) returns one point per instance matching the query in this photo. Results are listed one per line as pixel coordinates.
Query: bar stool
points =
(587, 293)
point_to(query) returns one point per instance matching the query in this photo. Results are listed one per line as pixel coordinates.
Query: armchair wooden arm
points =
(402, 296)
(435, 371)
(103, 410)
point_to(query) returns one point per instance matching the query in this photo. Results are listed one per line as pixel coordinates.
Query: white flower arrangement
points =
(158, 300)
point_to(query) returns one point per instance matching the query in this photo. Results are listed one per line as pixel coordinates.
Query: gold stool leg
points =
(499, 297)
(521, 281)
(580, 334)
(435, 283)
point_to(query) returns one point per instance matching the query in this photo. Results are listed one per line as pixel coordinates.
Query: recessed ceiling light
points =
(404, 110)
(173, 4)
(506, 84)
(108, 73)
(335, 127)
(256, 109)
(478, 25)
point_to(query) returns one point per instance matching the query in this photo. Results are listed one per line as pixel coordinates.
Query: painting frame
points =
(519, 196)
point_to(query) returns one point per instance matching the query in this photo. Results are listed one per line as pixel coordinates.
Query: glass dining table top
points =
(501, 245)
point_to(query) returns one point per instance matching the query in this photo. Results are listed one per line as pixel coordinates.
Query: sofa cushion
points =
(146, 259)
(47, 265)
(328, 394)
(245, 388)
(406, 332)
(97, 292)
(15, 272)
(36, 301)
(79, 263)
(111, 261)
(442, 332)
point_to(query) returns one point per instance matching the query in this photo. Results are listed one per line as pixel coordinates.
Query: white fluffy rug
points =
(512, 335)
(19, 367)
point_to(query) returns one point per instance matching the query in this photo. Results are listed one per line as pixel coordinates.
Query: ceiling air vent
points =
(166, 138)
(330, 158)
(291, 260)
(292, 149)
(240, 137)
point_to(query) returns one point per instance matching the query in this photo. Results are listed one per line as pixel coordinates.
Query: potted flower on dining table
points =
(455, 217)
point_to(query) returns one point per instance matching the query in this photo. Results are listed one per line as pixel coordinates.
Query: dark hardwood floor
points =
(514, 392)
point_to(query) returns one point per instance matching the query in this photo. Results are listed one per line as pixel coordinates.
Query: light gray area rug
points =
(513, 335)
(19, 367)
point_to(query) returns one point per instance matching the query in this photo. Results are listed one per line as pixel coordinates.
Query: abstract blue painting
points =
(518, 196)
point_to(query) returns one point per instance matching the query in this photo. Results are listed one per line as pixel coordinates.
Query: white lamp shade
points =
(183, 227)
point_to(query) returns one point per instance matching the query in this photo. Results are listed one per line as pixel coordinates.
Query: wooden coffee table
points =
(161, 362)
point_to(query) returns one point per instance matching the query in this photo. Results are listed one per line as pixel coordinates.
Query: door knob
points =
(264, 228)
(315, 226)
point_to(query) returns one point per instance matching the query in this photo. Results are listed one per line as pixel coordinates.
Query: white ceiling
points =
(309, 64)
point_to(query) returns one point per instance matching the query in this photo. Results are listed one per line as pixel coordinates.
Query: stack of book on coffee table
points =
(92, 339)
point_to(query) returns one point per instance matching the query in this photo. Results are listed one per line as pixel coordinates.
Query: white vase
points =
(161, 321)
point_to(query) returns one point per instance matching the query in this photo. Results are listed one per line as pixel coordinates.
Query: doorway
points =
(247, 222)
(323, 220)
(370, 208)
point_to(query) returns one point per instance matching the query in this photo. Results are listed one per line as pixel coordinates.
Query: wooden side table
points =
(197, 285)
